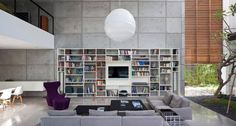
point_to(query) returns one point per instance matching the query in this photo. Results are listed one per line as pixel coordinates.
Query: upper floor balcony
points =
(24, 28)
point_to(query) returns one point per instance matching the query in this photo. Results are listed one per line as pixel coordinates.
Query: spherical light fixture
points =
(120, 25)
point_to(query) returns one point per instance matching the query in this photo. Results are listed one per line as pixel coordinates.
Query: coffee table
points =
(84, 109)
(119, 105)
(126, 105)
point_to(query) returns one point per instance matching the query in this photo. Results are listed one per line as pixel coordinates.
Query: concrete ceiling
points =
(73, 0)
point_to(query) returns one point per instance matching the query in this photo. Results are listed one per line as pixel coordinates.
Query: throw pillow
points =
(176, 102)
(102, 113)
(61, 113)
(140, 113)
(185, 103)
(167, 98)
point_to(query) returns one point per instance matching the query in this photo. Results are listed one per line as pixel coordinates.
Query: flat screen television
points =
(118, 72)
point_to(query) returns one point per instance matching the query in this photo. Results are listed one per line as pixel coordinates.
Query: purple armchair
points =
(58, 101)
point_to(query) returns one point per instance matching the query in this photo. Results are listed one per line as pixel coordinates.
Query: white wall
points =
(26, 85)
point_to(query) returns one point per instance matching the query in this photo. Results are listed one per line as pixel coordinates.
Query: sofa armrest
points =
(185, 112)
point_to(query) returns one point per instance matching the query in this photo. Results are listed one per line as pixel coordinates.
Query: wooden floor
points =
(33, 108)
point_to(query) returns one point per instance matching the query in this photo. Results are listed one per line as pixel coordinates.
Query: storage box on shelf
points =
(83, 71)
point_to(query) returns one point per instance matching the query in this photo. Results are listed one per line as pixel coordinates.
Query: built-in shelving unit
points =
(154, 71)
(101, 70)
(83, 71)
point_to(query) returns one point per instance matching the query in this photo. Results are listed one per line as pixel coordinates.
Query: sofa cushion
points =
(185, 103)
(140, 113)
(176, 101)
(60, 121)
(102, 113)
(61, 113)
(156, 102)
(167, 98)
(154, 98)
(101, 121)
(161, 107)
(142, 121)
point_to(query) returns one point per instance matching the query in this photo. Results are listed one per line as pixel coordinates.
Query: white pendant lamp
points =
(120, 25)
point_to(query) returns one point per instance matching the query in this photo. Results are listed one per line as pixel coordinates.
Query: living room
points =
(102, 62)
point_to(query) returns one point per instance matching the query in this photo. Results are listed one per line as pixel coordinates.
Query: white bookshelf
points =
(83, 72)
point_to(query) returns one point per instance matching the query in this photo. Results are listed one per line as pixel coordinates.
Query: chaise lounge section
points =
(176, 103)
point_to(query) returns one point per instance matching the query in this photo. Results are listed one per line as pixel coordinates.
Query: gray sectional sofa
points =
(102, 121)
(178, 104)
(96, 118)
(133, 118)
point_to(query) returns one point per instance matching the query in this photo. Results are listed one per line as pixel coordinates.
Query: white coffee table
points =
(171, 117)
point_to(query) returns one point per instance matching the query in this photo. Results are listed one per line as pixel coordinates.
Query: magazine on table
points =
(137, 104)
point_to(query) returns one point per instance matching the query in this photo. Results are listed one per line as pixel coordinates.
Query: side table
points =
(171, 117)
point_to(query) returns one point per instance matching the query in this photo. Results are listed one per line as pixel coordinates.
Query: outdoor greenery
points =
(201, 75)
(228, 37)
(220, 102)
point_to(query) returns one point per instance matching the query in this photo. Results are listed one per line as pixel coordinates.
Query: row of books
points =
(140, 63)
(74, 71)
(77, 64)
(125, 51)
(74, 79)
(140, 73)
(140, 90)
(88, 89)
(89, 68)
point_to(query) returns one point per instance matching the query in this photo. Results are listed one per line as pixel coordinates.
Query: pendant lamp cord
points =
(119, 3)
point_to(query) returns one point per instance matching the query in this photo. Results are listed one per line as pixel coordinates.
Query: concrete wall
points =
(79, 24)
(27, 65)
